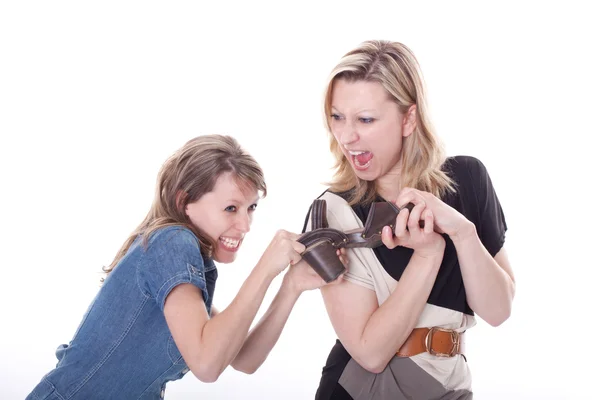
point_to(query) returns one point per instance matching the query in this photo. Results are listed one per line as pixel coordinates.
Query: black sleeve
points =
(491, 226)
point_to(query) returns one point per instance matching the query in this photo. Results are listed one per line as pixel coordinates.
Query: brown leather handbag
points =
(322, 242)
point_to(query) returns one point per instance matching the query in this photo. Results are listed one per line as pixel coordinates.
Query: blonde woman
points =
(152, 320)
(402, 310)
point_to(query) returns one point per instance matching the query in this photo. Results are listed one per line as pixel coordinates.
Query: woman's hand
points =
(424, 241)
(281, 252)
(301, 276)
(446, 219)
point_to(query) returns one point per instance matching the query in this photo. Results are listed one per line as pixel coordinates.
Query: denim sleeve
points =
(172, 258)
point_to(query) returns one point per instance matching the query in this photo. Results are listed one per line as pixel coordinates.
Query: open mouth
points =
(230, 244)
(361, 159)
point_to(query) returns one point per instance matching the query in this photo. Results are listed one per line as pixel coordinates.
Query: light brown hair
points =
(185, 177)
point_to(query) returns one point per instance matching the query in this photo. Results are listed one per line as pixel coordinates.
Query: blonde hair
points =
(185, 177)
(395, 67)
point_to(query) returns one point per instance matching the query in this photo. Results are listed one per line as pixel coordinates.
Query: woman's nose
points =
(243, 222)
(348, 134)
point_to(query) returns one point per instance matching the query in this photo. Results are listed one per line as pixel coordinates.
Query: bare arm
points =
(372, 334)
(489, 281)
(208, 346)
(264, 335)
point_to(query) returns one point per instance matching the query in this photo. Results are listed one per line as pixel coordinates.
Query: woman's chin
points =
(224, 257)
(366, 175)
(366, 172)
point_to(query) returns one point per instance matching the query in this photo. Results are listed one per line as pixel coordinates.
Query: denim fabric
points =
(123, 348)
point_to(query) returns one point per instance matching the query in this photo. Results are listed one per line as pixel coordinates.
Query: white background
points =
(95, 96)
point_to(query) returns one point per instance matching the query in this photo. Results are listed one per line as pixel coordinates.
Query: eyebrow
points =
(359, 111)
(239, 202)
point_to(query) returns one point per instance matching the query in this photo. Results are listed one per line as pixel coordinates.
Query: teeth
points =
(231, 243)
(356, 153)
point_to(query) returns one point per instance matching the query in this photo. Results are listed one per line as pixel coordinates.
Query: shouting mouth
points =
(361, 159)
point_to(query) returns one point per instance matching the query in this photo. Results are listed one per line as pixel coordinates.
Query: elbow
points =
(246, 369)
(370, 358)
(372, 364)
(505, 309)
(206, 376)
(496, 322)
(495, 314)
(375, 368)
(500, 317)
(206, 373)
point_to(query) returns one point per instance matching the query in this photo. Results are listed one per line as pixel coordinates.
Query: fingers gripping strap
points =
(380, 215)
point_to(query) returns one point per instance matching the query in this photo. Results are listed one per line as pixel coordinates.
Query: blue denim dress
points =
(123, 348)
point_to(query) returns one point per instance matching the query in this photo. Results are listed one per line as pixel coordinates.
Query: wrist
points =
(434, 252)
(465, 232)
(289, 286)
(265, 270)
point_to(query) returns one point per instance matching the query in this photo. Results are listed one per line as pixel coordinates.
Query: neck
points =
(389, 185)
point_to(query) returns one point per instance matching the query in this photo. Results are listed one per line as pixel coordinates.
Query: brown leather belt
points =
(436, 341)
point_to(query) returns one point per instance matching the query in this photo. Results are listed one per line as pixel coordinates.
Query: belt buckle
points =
(455, 342)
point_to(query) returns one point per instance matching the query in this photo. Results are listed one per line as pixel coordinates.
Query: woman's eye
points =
(252, 207)
(230, 209)
(366, 120)
(335, 117)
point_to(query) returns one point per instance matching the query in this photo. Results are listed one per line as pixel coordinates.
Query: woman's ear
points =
(409, 121)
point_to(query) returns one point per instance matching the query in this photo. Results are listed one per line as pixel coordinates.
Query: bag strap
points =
(319, 214)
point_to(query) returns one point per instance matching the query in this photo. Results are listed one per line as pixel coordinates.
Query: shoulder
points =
(462, 164)
(340, 214)
(466, 172)
(170, 250)
(337, 200)
(175, 239)
(176, 235)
